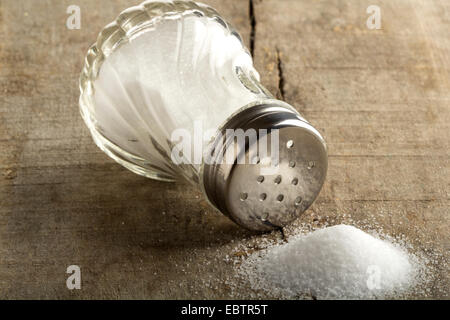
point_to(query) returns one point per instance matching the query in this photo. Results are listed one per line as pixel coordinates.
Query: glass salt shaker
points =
(169, 78)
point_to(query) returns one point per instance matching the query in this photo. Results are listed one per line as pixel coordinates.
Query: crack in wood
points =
(280, 74)
(283, 235)
(251, 12)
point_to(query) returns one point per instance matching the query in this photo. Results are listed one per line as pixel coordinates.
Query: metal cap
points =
(260, 196)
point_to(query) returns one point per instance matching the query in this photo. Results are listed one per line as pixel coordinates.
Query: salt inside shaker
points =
(169, 78)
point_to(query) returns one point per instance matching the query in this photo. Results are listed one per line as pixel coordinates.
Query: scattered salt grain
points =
(339, 262)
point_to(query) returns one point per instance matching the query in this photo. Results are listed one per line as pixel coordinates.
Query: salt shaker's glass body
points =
(170, 75)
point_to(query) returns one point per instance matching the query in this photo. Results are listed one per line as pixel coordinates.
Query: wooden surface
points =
(380, 97)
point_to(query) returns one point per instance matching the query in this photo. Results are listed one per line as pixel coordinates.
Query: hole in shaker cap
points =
(280, 198)
(277, 180)
(262, 196)
(243, 196)
(291, 163)
(264, 216)
(294, 181)
(298, 200)
(290, 144)
(260, 179)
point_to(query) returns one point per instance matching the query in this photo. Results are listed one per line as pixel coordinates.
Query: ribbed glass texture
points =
(163, 66)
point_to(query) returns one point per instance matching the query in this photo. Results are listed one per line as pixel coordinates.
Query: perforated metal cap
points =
(260, 195)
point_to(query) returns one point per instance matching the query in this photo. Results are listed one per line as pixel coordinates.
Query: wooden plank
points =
(63, 201)
(382, 100)
(380, 97)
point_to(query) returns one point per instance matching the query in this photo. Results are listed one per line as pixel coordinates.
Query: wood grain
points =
(380, 97)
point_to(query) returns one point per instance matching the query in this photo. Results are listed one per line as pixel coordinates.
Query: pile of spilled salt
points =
(339, 262)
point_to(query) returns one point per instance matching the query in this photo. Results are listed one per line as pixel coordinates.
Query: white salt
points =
(339, 262)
